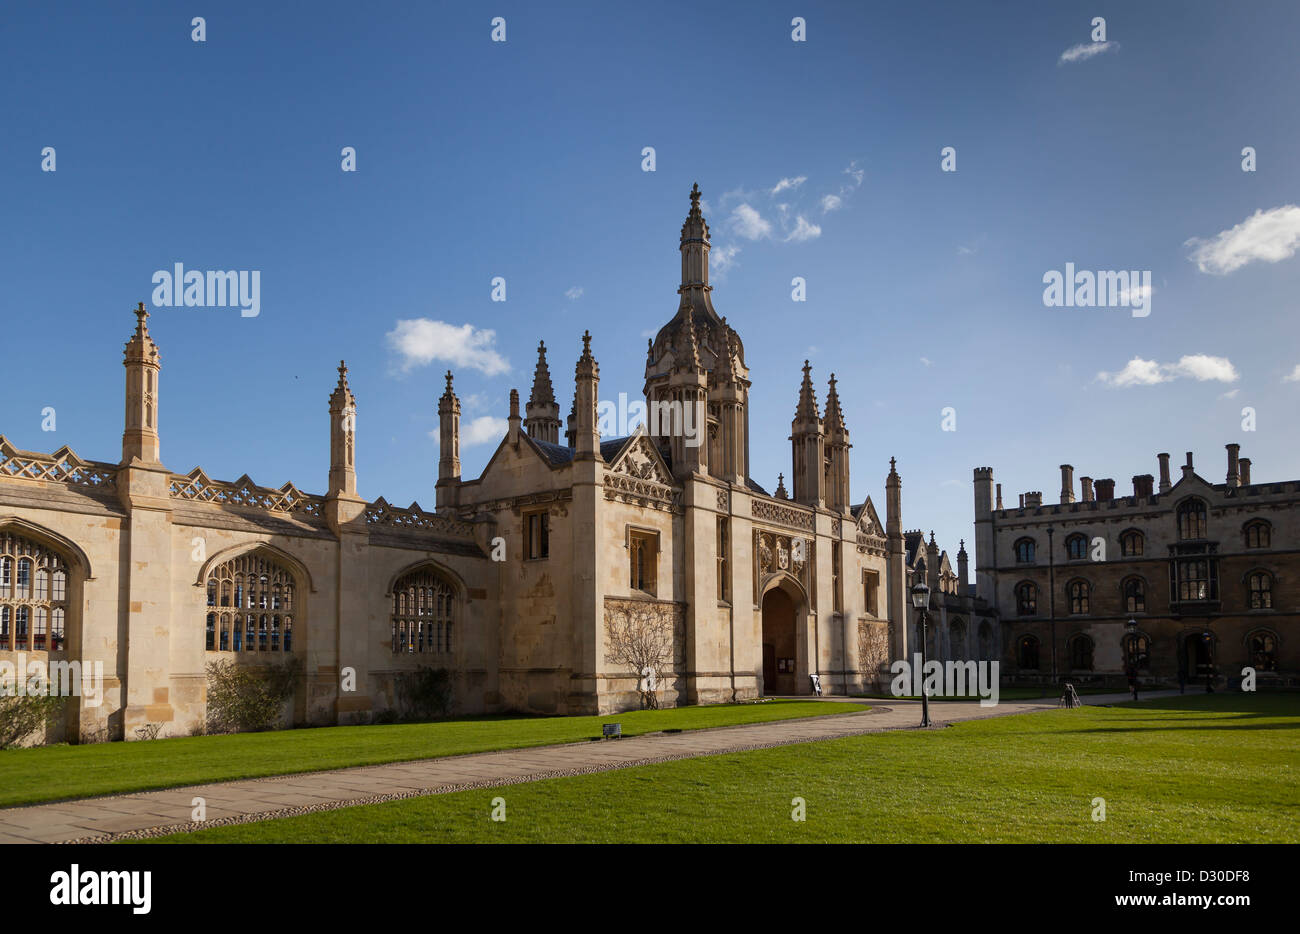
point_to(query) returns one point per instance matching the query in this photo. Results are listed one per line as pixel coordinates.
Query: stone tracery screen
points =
(33, 596)
(424, 614)
(250, 606)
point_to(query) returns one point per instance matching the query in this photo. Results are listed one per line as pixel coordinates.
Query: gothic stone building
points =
(1209, 572)
(960, 625)
(156, 573)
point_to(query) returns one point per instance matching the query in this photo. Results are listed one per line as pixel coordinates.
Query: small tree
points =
(641, 636)
(243, 700)
(21, 715)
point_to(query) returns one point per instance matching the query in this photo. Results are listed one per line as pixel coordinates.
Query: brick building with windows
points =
(1208, 572)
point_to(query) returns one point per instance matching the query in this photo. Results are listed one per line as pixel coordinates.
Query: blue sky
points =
(523, 160)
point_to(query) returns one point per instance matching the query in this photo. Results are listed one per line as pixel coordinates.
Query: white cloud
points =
(1084, 51)
(786, 183)
(481, 430)
(927, 361)
(749, 223)
(831, 203)
(804, 230)
(855, 173)
(574, 293)
(965, 251)
(721, 259)
(421, 341)
(1270, 236)
(1138, 297)
(1293, 376)
(1200, 367)
(1230, 394)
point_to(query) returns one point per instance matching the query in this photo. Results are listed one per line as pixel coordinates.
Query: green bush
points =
(244, 700)
(425, 693)
(23, 715)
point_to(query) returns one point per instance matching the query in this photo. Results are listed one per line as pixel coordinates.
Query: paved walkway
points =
(152, 813)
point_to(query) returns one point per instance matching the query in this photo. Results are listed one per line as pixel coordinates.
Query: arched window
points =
(1076, 547)
(1080, 652)
(1260, 584)
(244, 584)
(1026, 599)
(1258, 534)
(1025, 551)
(1078, 594)
(1027, 653)
(1135, 595)
(1131, 544)
(1191, 519)
(33, 596)
(424, 614)
(1263, 650)
(1137, 649)
(986, 641)
(957, 638)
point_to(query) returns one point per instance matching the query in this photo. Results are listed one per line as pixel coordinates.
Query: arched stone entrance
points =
(781, 662)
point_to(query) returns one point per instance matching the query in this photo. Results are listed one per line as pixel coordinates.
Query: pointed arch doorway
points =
(784, 666)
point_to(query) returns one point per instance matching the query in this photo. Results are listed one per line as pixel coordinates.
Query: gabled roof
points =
(755, 487)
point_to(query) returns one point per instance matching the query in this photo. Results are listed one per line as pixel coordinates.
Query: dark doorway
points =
(1197, 656)
(779, 656)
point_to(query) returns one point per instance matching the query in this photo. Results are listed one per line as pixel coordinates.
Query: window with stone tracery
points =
(250, 606)
(424, 614)
(33, 596)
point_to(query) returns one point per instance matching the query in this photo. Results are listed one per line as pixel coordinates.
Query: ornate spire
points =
(543, 392)
(690, 358)
(834, 417)
(587, 365)
(141, 348)
(695, 246)
(933, 543)
(781, 492)
(807, 408)
(448, 400)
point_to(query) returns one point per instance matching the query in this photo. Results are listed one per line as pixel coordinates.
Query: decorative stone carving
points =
(783, 515)
(63, 466)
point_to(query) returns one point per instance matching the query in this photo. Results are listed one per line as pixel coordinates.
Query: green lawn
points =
(1218, 768)
(51, 773)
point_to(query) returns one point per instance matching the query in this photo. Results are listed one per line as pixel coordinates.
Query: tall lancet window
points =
(33, 596)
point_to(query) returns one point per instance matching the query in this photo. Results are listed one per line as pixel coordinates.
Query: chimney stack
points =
(1244, 468)
(1086, 483)
(1105, 490)
(1034, 499)
(1067, 484)
(1188, 470)
(1142, 485)
(999, 505)
(514, 420)
(1022, 500)
(1164, 473)
(1234, 474)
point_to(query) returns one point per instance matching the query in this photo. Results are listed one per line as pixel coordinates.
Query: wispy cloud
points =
(1084, 51)
(788, 183)
(831, 203)
(927, 361)
(1267, 236)
(1200, 367)
(803, 231)
(421, 341)
(1293, 376)
(722, 259)
(574, 293)
(748, 223)
(480, 430)
(855, 173)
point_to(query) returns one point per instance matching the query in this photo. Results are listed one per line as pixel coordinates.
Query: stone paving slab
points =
(140, 813)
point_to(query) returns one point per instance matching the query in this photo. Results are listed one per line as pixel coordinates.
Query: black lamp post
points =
(921, 600)
(1208, 638)
(1051, 594)
(1130, 643)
